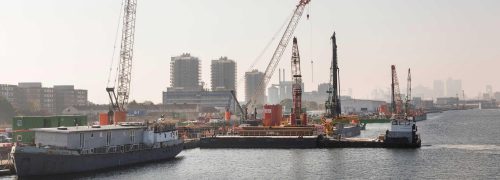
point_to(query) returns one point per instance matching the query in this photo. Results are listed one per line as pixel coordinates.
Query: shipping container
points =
(21, 125)
(272, 115)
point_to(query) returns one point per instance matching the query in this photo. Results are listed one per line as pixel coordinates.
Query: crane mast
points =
(279, 50)
(408, 93)
(296, 86)
(396, 95)
(119, 100)
(332, 105)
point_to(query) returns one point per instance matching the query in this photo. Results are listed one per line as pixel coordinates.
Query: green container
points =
(22, 125)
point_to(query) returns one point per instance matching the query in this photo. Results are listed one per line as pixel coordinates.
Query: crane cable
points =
(114, 49)
(310, 44)
(259, 57)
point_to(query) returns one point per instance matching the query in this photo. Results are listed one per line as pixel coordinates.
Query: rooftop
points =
(86, 128)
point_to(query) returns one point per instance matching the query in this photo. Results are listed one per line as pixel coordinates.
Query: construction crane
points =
(295, 117)
(408, 94)
(233, 98)
(292, 24)
(332, 105)
(396, 95)
(119, 100)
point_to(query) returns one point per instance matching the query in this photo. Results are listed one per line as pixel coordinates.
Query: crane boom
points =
(126, 52)
(236, 101)
(408, 93)
(297, 85)
(280, 49)
(396, 95)
(126, 55)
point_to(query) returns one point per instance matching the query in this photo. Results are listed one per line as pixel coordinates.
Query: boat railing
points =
(115, 149)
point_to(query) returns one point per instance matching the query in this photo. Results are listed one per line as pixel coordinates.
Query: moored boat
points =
(85, 148)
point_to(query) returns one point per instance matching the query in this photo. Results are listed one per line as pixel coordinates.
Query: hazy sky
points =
(71, 42)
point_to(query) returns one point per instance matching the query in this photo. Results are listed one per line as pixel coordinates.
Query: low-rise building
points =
(216, 99)
(23, 125)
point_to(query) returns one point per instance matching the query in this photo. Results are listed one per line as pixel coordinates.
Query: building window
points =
(19, 122)
(82, 140)
(132, 136)
(19, 138)
(108, 138)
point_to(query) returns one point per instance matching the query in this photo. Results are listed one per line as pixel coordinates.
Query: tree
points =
(7, 112)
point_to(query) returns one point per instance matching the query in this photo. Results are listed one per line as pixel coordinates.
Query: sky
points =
(59, 42)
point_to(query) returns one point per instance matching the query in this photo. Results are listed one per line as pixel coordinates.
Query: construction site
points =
(214, 118)
(208, 112)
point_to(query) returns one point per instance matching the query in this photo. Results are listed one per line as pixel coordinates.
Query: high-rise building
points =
(223, 74)
(252, 81)
(185, 73)
(438, 88)
(453, 87)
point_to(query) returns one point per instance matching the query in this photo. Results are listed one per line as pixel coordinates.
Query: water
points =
(455, 145)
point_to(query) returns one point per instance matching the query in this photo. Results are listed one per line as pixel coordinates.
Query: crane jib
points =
(285, 39)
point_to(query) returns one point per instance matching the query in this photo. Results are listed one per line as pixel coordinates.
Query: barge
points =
(296, 142)
(65, 150)
(307, 138)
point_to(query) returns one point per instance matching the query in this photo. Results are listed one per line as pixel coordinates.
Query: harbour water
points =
(455, 145)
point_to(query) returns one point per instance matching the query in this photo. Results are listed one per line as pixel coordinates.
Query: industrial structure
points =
(284, 87)
(273, 95)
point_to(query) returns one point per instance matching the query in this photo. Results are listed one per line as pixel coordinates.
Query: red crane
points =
(397, 102)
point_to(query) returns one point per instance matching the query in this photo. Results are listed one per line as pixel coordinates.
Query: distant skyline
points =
(71, 42)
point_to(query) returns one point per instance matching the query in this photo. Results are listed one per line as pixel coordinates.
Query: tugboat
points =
(403, 132)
